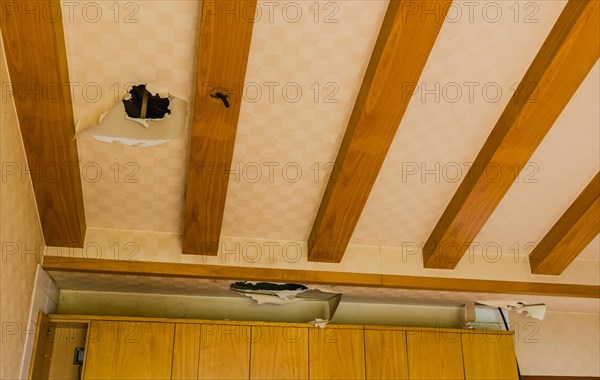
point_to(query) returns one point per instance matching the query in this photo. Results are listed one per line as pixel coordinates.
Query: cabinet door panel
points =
(434, 355)
(489, 356)
(129, 350)
(186, 351)
(385, 354)
(42, 349)
(66, 339)
(224, 352)
(279, 352)
(336, 353)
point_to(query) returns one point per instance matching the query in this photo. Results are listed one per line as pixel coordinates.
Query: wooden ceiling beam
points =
(399, 56)
(226, 272)
(35, 49)
(223, 48)
(566, 57)
(575, 229)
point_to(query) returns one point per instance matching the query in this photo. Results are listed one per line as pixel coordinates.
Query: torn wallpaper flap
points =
(109, 122)
(537, 311)
(94, 115)
(262, 299)
(280, 294)
(116, 127)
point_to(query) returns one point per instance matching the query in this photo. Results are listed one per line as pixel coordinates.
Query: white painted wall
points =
(563, 344)
(44, 298)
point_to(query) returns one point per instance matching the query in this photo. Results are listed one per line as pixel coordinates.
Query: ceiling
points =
(286, 141)
(285, 147)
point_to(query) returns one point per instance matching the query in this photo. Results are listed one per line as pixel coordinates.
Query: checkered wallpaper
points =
(110, 45)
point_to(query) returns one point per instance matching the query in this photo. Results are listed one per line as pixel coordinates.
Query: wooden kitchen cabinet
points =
(336, 353)
(186, 351)
(224, 352)
(279, 352)
(385, 354)
(153, 348)
(129, 350)
(434, 355)
(489, 356)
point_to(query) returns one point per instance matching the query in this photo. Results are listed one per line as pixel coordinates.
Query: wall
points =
(563, 344)
(20, 235)
(44, 298)
(236, 307)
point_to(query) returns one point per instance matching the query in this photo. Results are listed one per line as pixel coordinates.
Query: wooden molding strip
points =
(575, 229)
(563, 62)
(147, 268)
(399, 56)
(37, 64)
(223, 48)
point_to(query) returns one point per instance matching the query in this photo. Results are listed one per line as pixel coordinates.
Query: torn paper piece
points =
(262, 299)
(268, 292)
(333, 299)
(537, 311)
(94, 116)
(321, 323)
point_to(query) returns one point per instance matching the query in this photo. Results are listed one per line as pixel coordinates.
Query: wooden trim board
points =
(575, 229)
(146, 268)
(223, 48)
(399, 56)
(37, 64)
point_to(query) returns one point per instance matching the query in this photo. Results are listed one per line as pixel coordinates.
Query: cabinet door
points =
(224, 352)
(434, 355)
(42, 348)
(279, 352)
(489, 356)
(129, 350)
(186, 352)
(336, 353)
(66, 339)
(385, 354)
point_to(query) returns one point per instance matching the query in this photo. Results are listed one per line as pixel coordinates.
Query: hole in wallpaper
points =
(142, 105)
(147, 115)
